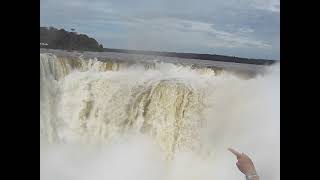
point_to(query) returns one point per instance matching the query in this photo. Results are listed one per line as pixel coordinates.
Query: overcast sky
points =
(245, 28)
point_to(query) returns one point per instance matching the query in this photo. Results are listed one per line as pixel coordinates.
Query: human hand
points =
(244, 163)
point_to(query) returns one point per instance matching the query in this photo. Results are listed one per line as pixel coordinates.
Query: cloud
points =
(212, 37)
(213, 26)
(269, 5)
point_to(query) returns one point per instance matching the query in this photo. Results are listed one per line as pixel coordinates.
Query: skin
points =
(245, 164)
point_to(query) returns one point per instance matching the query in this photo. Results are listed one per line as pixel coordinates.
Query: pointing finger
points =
(236, 153)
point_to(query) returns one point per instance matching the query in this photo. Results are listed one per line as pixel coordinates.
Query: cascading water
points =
(121, 120)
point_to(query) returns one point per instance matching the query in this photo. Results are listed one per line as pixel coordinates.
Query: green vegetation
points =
(53, 38)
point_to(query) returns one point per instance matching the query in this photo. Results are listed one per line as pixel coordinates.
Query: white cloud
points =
(205, 32)
(270, 5)
(245, 30)
(180, 25)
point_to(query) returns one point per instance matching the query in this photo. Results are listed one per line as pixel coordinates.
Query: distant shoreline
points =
(211, 57)
(52, 38)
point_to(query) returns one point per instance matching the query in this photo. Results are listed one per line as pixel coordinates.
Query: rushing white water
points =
(111, 120)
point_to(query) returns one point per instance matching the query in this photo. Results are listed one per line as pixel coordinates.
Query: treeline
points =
(53, 38)
(211, 57)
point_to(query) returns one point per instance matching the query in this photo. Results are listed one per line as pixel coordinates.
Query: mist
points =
(165, 122)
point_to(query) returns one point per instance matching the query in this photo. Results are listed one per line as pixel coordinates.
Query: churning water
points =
(125, 120)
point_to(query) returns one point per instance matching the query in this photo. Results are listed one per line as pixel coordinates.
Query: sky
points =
(244, 28)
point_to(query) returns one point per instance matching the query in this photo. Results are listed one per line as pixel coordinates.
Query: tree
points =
(62, 39)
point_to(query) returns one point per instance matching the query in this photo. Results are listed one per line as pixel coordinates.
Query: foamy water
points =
(120, 120)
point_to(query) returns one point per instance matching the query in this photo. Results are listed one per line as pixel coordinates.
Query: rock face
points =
(53, 38)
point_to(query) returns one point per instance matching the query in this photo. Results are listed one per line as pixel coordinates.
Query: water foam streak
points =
(161, 110)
